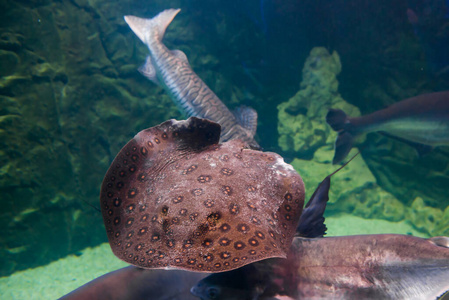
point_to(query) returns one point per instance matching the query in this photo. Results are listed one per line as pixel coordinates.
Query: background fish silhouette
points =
(422, 121)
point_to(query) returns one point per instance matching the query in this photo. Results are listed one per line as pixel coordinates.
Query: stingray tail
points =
(154, 28)
(338, 120)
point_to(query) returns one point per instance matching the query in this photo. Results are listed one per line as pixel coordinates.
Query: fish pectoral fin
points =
(247, 118)
(149, 71)
(421, 149)
(179, 54)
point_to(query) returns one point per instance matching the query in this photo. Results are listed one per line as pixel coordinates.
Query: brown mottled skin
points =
(132, 283)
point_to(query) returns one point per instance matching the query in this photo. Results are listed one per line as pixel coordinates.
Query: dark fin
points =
(422, 149)
(311, 222)
(336, 118)
(343, 144)
(247, 117)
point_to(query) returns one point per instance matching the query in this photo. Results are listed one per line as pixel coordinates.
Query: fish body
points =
(420, 120)
(388, 266)
(384, 266)
(171, 69)
(132, 283)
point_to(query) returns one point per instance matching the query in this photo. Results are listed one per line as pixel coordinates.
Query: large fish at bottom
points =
(422, 121)
(171, 69)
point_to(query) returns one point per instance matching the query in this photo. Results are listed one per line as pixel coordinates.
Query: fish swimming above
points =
(171, 70)
(421, 121)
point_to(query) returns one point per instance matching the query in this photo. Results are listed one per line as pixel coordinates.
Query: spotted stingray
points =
(175, 198)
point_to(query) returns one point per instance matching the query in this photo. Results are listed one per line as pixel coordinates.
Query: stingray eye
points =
(212, 293)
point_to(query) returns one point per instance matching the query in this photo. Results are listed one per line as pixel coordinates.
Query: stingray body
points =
(420, 121)
(170, 69)
(132, 283)
(174, 198)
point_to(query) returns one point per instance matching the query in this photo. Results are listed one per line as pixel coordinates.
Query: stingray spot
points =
(287, 207)
(207, 243)
(110, 212)
(161, 255)
(227, 190)
(110, 194)
(175, 220)
(157, 141)
(251, 189)
(288, 197)
(129, 244)
(187, 244)
(142, 231)
(197, 192)
(225, 255)
(234, 209)
(209, 203)
(200, 266)
(142, 208)
(243, 228)
(183, 212)
(251, 206)
(237, 155)
(170, 243)
(150, 144)
(117, 234)
(112, 178)
(139, 247)
(130, 255)
(116, 220)
(153, 219)
(274, 245)
(141, 177)
(239, 245)
(130, 208)
(244, 258)
(224, 158)
(252, 252)
(253, 242)
(260, 235)
(132, 193)
(158, 199)
(164, 210)
(193, 216)
(227, 172)
(255, 220)
(150, 251)
(274, 215)
(155, 237)
(143, 151)
(130, 234)
(191, 261)
(264, 202)
(204, 178)
(272, 234)
(224, 241)
(129, 222)
(284, 226)
(119, 185)
(271, 223)
(236, 259)
(164, 136)
(110, 185)
(288, 217)
(189, 170)
(225, 227)
(122, 173)
(132, 168)
(178, 260)
(217, 265)
(208, 257)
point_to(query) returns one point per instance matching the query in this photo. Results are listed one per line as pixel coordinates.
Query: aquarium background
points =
(71, 97)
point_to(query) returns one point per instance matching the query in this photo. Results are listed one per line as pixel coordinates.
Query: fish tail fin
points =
(147, 29)
(338, 120)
